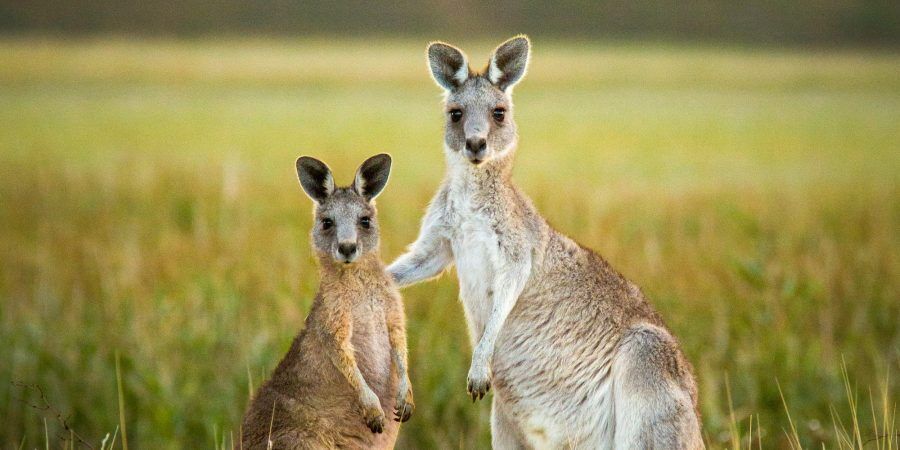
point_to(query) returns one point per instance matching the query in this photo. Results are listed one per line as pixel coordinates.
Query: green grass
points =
(149, 207)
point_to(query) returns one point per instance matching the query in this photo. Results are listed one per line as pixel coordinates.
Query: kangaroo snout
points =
(475, 145)
(476, 148)
(347, 251)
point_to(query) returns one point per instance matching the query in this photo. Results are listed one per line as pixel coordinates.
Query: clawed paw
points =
(374, 417)
(405, 406)
(478, 384)
(403, 411)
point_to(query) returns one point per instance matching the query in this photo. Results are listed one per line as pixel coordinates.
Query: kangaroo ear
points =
(372, 176)
(315, 178)
(448, 64)
(509, 62)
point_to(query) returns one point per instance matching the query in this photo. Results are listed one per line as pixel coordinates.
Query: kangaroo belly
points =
(474, 244)
(372, 351)
(552, 372)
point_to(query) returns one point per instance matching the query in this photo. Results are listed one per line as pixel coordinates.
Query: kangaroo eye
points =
(455, 115)
(327, 223)
(499, 114)
(365, 222)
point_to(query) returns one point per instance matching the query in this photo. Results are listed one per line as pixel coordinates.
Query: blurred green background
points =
(741, 164)
(807, 22)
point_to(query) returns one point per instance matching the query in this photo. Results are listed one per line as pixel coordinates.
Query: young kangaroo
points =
(577, 356)
(337, 379)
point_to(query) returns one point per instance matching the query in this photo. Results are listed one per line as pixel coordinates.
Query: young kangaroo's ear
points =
(372, 176)
(448, 64)
(315, 178)
(509, 62)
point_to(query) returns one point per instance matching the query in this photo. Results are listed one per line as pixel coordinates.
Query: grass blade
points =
(121, 402)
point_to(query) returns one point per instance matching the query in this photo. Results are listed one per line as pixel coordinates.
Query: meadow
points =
(149, 209)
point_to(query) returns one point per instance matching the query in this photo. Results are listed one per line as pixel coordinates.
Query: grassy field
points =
(149, 207)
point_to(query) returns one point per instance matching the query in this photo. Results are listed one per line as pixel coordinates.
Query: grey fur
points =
(576, 354)
(448, 64)
(372, 176)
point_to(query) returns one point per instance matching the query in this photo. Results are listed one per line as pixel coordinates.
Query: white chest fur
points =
(474, 244)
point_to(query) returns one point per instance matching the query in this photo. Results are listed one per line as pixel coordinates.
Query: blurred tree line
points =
(804, 22)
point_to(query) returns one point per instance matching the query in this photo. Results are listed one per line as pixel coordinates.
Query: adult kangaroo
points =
(577, 356)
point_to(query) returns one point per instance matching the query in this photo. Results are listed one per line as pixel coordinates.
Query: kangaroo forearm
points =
(400, 360)
(419, 265)
(345, 362)
(397, 338)
(508, 287)
(429, 255)
(405, 269)
(485, 347)
(397, 335)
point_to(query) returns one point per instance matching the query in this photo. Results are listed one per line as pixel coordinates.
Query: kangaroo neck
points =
(362, 272)
(488, 176)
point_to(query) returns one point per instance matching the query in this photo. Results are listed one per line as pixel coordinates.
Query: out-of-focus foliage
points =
(149, 206)
(820, 22)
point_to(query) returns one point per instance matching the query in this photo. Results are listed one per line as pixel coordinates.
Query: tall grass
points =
(148, 207)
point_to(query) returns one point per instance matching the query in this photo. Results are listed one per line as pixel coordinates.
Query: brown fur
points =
(353, 344)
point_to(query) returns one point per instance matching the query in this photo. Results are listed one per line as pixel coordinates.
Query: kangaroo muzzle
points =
(347, 252)
(476, 149)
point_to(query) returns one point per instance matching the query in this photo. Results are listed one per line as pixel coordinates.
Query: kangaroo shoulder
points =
(439, 209)
(441, 197)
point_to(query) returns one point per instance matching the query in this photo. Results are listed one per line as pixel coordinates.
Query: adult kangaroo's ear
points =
(315, 178)
(509, 62)
(448, 65)
(372, 176)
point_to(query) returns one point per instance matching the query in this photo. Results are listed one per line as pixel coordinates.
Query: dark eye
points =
(365, 222)
(499, 114)
(455, 115)
(327, 223)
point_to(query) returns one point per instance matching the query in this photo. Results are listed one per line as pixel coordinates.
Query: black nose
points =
(476, 145)
(346, 249)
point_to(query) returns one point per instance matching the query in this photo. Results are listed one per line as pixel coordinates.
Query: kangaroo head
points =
(345, 228)
(480, 124)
